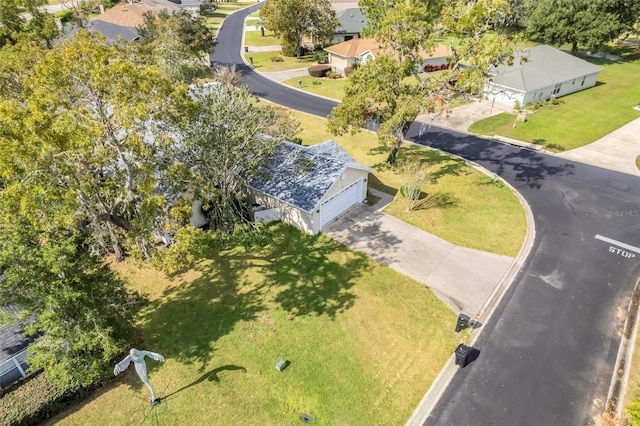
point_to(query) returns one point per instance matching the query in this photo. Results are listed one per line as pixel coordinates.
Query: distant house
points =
(360, 50)
(123, 20)
(538, 74)
(13, 351)
(351, 22)
(309, 187)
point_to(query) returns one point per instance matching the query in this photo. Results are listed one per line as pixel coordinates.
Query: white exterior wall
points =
(503, 95)
(543, 94)
(350, 176)
(306, 222)
(342, 37)
(338, 63)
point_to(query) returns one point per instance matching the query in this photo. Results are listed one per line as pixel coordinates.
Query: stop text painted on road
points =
(625, 250)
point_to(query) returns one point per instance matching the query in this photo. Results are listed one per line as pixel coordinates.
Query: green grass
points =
(461, 205)
(364, 342)
(214, 19)
(638, 162)
(254, 38)
(263, 63)
(584, 117)
(331, 88)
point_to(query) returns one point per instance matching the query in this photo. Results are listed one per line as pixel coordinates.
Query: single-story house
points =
(13, 351)
(123, 20)
(351, 22)
(539, 73)
(360, 50)
(308, 187)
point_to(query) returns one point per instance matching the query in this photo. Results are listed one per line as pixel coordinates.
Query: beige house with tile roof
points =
(132, 14)
(361, 50)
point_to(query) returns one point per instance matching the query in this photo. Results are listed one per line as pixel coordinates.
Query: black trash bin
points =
(462, 355)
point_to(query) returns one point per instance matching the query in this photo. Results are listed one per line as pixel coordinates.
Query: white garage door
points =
(336, 205)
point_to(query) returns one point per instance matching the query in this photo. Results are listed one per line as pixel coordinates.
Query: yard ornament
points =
(137, 357)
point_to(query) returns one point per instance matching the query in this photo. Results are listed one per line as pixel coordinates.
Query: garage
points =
(340, 202)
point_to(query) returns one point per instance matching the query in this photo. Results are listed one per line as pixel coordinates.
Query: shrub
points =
(191, 244)
(316, 82)
(35, 400)
(276, 59)
(319, 70)
(65, 16)
(289, 49)
(332, 75)
(320, 56)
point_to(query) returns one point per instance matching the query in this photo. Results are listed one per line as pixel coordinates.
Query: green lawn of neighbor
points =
(462, 205)
(638, 162)
(363, 341)
(263, 63)
(331, 88)
(214, 19)
(584, 117)
(254, 38)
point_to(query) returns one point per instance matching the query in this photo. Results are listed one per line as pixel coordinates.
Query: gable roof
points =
(351, 21)
(131, 15)
(301, 176)
(12, 341)
(542, 66)
(112, 31)
(354, 47)
(359, 46)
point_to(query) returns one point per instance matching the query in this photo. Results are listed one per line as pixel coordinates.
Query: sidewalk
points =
(616, 151)
(281, 76)
(463, 278)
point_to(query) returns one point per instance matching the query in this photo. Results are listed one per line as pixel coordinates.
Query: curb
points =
(620, 377)
(437, 388)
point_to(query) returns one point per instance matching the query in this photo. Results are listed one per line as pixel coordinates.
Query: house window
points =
(583, 79)
(556, 89)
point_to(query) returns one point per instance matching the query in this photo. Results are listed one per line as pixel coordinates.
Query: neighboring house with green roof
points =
(309, 187)
(351, 24)
(538, 74)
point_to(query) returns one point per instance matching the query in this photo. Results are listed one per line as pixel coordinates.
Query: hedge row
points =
(35, 400)
(319, 70)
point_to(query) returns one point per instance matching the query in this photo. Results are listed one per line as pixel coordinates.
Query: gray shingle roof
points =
(543, 66)
(301, 176)
(351, 21)
(12, 342)
(112, 31)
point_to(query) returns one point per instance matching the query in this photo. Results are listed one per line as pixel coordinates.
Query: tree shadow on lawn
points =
(438, 200)
(302, 274)
(312, 275)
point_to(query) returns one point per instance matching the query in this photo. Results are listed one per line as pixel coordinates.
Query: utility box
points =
(462, 355)
(282, 364)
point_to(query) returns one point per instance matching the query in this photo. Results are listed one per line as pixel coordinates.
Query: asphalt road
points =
(547, 354)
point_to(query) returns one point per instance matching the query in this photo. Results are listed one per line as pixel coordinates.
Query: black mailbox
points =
(463, 321)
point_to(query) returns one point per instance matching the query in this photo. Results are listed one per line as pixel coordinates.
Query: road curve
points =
(547, 354)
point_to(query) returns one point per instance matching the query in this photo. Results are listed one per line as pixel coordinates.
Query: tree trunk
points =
(574, 47)
(262, 31)
(391, 159)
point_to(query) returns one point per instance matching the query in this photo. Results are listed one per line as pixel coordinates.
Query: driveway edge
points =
(437, 388)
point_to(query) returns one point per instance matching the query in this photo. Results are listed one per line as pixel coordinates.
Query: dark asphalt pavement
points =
(547, 354)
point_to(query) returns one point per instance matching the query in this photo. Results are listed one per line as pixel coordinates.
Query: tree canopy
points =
(41, 26)
(379, 91)
(178, 44)
(292, 20)
(590, 23)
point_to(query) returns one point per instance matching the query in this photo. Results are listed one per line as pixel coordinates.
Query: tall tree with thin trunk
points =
(379, 92)
(294, 19)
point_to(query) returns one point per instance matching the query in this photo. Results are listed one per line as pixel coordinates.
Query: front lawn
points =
(582, 118)
(462, 205)
(331, 88)
(364, 342)
(214, 19)
(262, 61)
(254, 38)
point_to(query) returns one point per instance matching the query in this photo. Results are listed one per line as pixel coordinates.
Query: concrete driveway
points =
(463, 278)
